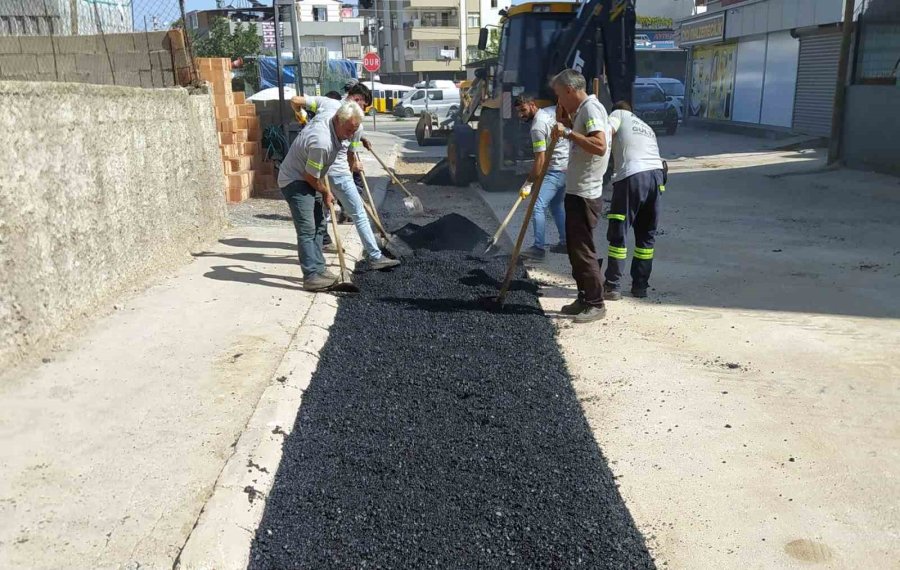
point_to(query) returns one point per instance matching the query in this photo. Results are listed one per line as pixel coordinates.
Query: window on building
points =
(352, 49)
(493, 3)
(320, 13)
(474, 20)
(445, 19)
(429, 19)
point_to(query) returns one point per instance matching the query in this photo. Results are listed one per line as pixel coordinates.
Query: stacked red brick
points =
(239, 134)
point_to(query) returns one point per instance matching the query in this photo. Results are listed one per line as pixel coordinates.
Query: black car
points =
(650, 106)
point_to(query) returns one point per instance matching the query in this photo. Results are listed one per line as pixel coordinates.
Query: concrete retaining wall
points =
(135, 60)
(100, 186)
(871, 124)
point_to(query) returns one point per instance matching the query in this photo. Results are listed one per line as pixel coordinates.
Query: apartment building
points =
(325, 24)
(421, 39)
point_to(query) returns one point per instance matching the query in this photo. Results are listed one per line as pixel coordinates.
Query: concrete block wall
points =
(100, 188)
(135, 60)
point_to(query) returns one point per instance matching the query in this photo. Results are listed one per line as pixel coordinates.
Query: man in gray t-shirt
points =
(588, 133)
(341, 173)
(553, 188)
(301, 181)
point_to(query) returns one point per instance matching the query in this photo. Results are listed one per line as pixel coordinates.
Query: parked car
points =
(642, 40)
(673, 89)
(651, 106)
(441, 102)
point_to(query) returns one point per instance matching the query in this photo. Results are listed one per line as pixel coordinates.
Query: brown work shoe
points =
(575, 308)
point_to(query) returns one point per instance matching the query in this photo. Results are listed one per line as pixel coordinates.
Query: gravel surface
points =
(435, 434)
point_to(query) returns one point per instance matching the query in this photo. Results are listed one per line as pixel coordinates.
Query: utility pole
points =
(463, 34)
(840, 93)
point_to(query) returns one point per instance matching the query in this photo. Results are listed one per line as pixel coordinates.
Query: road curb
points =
(223, 533)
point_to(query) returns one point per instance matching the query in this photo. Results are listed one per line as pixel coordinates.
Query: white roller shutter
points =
(816, 80)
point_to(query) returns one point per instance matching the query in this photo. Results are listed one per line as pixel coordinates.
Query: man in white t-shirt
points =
(588, 133)
(638, 180)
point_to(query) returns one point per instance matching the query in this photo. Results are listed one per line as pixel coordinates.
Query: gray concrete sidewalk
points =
(748, 407)
(110, 448)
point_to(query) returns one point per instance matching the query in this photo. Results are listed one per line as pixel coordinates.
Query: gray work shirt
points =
(585, 175)
(325, 108)
(313, 152)
(541, 128)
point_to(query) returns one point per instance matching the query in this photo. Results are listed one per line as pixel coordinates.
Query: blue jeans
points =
(345, 189)
(551, 195)
(307, 210)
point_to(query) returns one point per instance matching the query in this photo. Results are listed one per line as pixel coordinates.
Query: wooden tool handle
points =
(536, 190)
(334, 226)
(371, 200)
(506, 220)
(391, 174)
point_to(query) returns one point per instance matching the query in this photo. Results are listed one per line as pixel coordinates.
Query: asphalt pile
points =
(435, 434)
(450, 232)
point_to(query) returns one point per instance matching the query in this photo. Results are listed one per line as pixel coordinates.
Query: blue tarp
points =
(268, 71)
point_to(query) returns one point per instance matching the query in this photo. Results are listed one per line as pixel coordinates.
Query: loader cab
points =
(527, 36)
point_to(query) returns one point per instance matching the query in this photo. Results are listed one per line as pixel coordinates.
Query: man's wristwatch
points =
(567, 133)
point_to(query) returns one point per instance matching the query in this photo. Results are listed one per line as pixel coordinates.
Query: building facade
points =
(422, 39)
(68, 18)
(324, 24)
(764, 62)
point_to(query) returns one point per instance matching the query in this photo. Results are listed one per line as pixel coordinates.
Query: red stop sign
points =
(371, 62)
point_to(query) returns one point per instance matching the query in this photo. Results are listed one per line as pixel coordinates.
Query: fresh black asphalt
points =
(435, 434)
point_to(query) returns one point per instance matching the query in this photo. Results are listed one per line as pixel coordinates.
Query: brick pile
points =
(246, 171)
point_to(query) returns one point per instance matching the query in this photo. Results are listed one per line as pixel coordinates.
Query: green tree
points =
(243, 43)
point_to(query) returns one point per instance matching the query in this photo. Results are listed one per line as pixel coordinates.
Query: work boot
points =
(319, 281)
(590, 315)
(612, 294)
(560, 248)
(534, 253)
(383, 262)
(575, 308)
(639, 292)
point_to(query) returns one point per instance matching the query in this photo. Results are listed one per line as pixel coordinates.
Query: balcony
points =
(434, 65)
(433, 3)
(436, 33)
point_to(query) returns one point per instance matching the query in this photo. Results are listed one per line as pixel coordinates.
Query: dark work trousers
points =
(307, 210)
(582, 215)
(635, 204)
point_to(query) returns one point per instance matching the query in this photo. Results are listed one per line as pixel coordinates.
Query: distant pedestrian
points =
(301, 181)
(638, 181)
(552, 192)
(588, 160)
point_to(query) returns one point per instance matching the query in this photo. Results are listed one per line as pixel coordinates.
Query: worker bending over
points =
(301, 181)
(588, 159)
(553, 188)
(346, 163)
(638, 180)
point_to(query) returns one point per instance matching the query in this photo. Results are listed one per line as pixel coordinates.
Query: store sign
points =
(706, 30)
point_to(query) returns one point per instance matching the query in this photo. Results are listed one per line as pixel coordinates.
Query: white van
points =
(442, 102)
(436, 84)
(673, 89)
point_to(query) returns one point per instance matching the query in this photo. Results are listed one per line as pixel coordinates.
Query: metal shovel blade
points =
(413, 205)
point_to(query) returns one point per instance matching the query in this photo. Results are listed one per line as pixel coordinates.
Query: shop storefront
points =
(764, 62)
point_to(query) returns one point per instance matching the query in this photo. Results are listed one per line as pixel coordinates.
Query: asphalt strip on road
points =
(435, 434)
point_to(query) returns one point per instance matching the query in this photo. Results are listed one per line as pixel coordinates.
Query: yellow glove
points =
(301, 116)
(525, 191)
